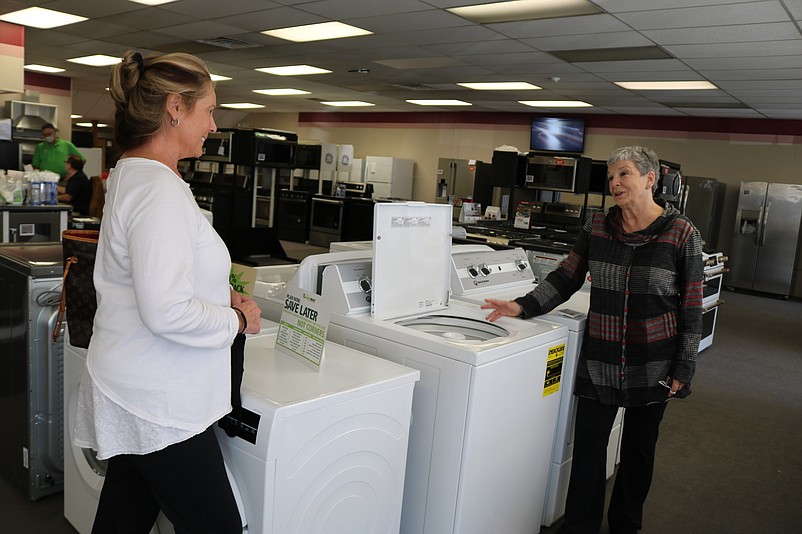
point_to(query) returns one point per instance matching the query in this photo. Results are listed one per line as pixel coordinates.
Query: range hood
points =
(27, 118)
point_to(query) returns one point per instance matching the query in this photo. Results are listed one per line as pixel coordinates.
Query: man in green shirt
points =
(51, 154)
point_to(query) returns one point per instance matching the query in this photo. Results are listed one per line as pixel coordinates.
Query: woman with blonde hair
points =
(158, 364)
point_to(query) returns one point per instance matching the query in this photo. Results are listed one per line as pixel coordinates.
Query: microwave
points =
(557, 173)
(217, 146)
(267, 148)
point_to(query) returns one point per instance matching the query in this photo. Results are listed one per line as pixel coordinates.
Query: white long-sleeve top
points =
(159, 359)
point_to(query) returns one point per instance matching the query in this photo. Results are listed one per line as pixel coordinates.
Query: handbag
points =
(78, 297)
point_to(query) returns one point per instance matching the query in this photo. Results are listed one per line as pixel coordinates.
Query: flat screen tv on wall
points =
(557, 135)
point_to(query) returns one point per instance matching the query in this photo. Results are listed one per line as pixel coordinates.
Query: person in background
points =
(76, 189)
(640, 346)
(51, 153)
(158, 368)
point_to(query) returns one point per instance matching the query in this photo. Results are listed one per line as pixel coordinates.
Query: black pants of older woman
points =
(187, 481)
(584, 507)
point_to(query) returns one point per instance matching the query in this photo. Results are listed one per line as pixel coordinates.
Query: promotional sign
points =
(242, 279)
(302, 329)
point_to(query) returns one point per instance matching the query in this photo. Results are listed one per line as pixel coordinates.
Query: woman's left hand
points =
(237, 298)
(676, 385)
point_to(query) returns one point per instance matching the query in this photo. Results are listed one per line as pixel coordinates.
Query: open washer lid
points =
(411, 258)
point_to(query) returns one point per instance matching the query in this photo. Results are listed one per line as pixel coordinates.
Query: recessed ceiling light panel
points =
(97, 60)
(555, 103)
(500, 86)
(241, 105)
(42, 68)
(38, 17)
(280, 92)
(518, 10)
(317, 32)
(219, 78)
(293, 70)
(348, 104)
(667, 86)
(435, 102)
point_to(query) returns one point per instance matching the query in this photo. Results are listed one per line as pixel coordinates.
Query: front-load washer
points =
(320, 452)
(83, 472)
(483, 418)
(506, 275)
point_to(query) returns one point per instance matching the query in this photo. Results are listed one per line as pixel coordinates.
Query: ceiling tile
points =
(741, 33)
(593, 40)
(691, 17)
(564, 26)
(739, 50)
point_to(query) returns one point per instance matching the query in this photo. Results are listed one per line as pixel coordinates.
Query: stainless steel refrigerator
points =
(702, 202)
(456, 181)
(766, 237)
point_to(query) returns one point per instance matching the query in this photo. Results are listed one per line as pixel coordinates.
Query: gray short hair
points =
(644, 159)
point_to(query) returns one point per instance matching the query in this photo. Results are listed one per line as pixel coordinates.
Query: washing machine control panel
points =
(347, 287)
(482, 270)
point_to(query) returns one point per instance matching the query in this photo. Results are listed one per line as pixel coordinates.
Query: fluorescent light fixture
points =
(42, 68)
(518, 10)
(241, 105)
(74, 116)
(280, 92)
(152, 2)
(89, 124)
(500, 86)
(555, 103)
(666, 86)
(219, 78)
(98, 60)
(317, 32)
(38, 17)
(293, 70)
(348, 104)
(439, 102)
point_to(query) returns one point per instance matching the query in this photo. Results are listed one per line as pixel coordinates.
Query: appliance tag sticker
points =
(303, 326)
(410, 222)
(554, 369)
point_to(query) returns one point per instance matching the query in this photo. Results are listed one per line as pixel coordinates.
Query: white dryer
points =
(506, 275)
(320, 452)
(483, 422)
(83, 472)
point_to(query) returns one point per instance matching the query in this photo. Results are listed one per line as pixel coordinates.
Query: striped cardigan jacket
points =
(645, 318)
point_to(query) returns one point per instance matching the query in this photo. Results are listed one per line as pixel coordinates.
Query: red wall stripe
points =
(623, 122)
(41, 79)
(12, 34)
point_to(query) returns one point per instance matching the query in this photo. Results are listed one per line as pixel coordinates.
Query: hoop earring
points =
(175, 122)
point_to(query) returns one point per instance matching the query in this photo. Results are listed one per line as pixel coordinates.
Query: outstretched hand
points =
(501, 308)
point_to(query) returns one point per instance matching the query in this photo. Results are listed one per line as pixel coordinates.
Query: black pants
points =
(584, 507)
(187, 481)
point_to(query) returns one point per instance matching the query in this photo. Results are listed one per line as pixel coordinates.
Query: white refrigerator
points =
(391, 177)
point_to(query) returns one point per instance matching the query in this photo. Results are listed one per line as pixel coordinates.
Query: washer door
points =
(92, 470)
(455, 329)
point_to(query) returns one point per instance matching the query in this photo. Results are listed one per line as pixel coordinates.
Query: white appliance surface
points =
(506, 275)
(83, 472)
(270, 289)
(475, 465)
(321, 451)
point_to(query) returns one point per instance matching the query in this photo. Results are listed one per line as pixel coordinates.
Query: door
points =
(748, 218)
(778, 238)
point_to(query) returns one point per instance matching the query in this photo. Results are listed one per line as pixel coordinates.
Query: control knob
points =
(472, 271)
(484, 269)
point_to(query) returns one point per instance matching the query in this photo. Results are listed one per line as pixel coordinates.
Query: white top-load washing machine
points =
(320, 452)
(506, 275)
(483, 421)
(270, 288)
(83, 472)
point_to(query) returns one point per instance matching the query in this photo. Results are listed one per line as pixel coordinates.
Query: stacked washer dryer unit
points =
(505, 275)
(320, 452)
(83, 472)
(482, 424)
